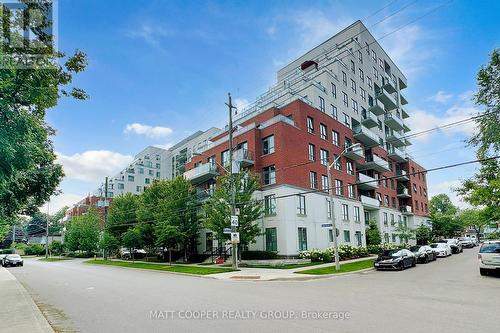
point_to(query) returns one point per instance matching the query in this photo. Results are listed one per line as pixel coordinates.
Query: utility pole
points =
(105, 255)
(47, 232)
(231, 180)
(14, 235)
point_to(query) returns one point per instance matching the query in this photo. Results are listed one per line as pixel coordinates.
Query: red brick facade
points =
(417, 185)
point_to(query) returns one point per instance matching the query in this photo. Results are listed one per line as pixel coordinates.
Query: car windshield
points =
(490, 248)
(392, 253)
(13, 256)
(435, 245)
(415, 248)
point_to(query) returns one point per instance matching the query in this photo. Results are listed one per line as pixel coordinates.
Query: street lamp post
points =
(330, 186)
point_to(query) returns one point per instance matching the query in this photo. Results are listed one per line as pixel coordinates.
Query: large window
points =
(310, 124)
(355, 107)
(347, 120)
(130, 178)
(269, 175)
(347, 236)
(361, 75)
(385, 218)
(121, 186)
(324, 183)
(311, 152)
(345, 99)
(271, 239)
(357, 214)
(302, 234)
(335, 114)
(270, 205)
(338, 162)
(344, 78)
(321, 104)
(313, 179)
(334, 90)
(358, 238)
(301, 205)
(335, 138)
(323, 132)
(339, 188)
(224, 156)
(350, 168)
(328, 209)
(345, 212)
(323, 155)
(350, 190)
(268, 145)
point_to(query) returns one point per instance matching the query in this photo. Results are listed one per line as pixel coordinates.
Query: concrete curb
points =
(319, 277)
(21, 313)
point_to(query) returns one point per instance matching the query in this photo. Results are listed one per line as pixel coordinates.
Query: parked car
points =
(453, 243)
(466, 242)
(2, 256)
(474, 240)
(395, 259)
(423, 253)
(489, 257)
(138, 254)
(442, 249)
(12, 260)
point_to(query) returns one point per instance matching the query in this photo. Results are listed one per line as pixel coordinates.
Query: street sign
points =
(234, 220)
(237, 211)
(235, 237)
(326, 225)
(227, 231)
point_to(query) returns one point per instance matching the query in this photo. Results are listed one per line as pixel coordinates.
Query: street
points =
(447, 296)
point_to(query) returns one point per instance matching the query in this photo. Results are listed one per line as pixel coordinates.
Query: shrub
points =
(346, 251)
(56, 247)
(327, 256)
(258, 255)
(34, 249)
(7, 251)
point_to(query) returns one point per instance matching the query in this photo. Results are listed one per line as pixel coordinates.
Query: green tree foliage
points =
(218, 211)
(373, 234)
(404, 233)
(131, 239)
(56, 247)
(29, 86)
(443, 215)
(122, 214)
(476, 219)
(109, 243)
(423, 235)
(83, 232)
(148, 237)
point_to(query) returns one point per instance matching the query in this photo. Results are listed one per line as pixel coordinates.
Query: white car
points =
(489, 257)
(474, 240)
(442, 249)
(466, 242)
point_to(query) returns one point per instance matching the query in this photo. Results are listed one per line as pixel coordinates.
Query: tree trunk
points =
(132, 255)
(170, 256)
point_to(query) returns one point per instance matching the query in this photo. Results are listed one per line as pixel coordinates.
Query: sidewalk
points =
(18, 312)
(275, 274)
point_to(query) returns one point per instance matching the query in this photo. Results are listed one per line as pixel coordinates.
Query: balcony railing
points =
(402, 175)
(403, 99)
(403, 192)
(396, 154)
(365, 135)
(377, 107)
(366, 182)
(394, 122)
(355, 153)
(374, 162)
(395, 138)
(244, 157)
(369, 203)
(388, 84)
(369, 119)
(386, 98)
(406, 210)
(201, 173)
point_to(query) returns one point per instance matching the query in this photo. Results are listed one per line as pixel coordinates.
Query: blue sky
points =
(160, 70)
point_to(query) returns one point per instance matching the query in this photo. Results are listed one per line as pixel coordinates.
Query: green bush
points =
(80, 254)
(56, 247)
(34, 249)
(7, 251)
(258, 255)
(346, 251)
(327, 256)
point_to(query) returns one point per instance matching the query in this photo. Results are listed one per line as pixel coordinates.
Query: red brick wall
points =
(420, 197)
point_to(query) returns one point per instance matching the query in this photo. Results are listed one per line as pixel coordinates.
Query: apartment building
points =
(345, 91)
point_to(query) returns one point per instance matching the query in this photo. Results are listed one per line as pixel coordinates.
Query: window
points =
(386, 237)
(312, 152)
(359, 242)
(130, 178)
(301, 205)
(374, 56)
(344, 78)
(321, 104)
(357, 214)
(224, 157)
(313, 179)
(381, 63)
(270, 204)
(347, 236)
(268, 145)
(375, 73)
(324, 183)
(141, 171)
(345, 99)
(386, 200)
(121, 186)
(414, 188)
(158, 165)
(350, 190)
(353, 86)
(334, 90)
(345, 212)
(350, 168)
(147, 181)
(367, 47)
(323, 155)
(338, 162)
(302, 233)
(353, 67)
(361, 75)
(330, 235)
(339, 188)
(393, 202)
(335, 138)
(370, 82)
(138, 188)
(151, 172)
(269, 175)
(363, 94)
(323, 132)
(379, 197)
(347, 120)
(394, 238)
(393, 222)
(310, 125)
(385, 219)
(355, 106)
(334, 111)
(360, 57)
(271, 240)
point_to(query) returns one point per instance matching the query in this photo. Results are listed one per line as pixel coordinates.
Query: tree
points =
(131, 239)
(476, 219)
(373, 234)
(405, 233)
(443, 215)
(31, 82)
(423, 235)
(83, 232)
(108, 243)
(218, 210)
(56, 247)
(148, 237)
(123, 214)
(168, 237)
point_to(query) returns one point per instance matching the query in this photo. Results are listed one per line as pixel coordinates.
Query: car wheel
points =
(401, 265)
(414, 263)
(483, 271)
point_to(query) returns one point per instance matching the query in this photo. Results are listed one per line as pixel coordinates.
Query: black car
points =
(12, 260)
(423, 253)
(395, 259)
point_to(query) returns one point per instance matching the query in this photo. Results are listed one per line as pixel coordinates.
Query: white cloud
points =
(441, 97)
(240, 103)
(59, 201)
(151, 34)
(92, 165)
(447, 187)
(147, 130)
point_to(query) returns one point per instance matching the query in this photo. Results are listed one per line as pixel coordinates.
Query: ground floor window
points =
(347, 236)
(359, 242)
(367, 217)
(393, 238)
(271, 240)
(209, 241)
(302, 232)
(386, 238)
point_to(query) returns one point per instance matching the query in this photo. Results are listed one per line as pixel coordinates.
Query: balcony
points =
(373, 162)
(406, 128)
(402, 84)
(386, 98)
(366, 182)
(396, 154)
(365, 135)
(394, 122)
(388, 84)
(403, 99)
(369, 203)
(201, 173)
(403, 192)
(395, 139)
(368, 119)
(355, 154)
(377, 108)
(402, 175)
(244, 157)
(406, 210)
(404, 113)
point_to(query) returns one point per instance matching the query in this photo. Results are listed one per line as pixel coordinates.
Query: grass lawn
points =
(196, 270)
(344, 268)
(54, 259)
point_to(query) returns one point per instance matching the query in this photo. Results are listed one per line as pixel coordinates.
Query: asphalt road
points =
(444, 296)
